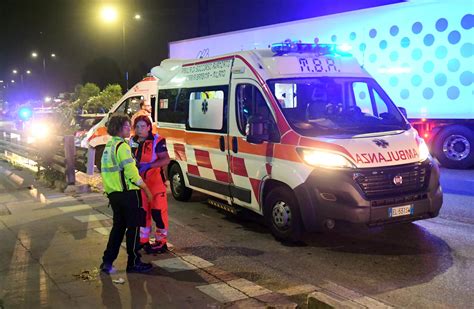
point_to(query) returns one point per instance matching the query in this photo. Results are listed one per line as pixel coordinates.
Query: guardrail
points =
(58, 151)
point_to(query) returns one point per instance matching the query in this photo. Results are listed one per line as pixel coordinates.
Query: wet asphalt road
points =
(426, 264)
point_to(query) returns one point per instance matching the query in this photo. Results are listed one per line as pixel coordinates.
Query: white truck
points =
(419, 51)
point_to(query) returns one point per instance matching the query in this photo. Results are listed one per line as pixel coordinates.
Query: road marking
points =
(103, 230)
(248, 288)
(222, 292)
(299, 289)
(74, 208)
(177, 264)
(91, 218)
(196, 261)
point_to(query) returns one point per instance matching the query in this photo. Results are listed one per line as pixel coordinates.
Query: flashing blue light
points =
(25, 113)
(313, 48)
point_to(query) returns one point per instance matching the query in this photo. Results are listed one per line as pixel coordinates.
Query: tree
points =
(102, 102)
(83, 94)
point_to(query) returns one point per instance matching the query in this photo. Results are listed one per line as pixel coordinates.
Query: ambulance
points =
(299, 133)
(129, 104)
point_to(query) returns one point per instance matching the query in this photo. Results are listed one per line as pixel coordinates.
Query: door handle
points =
(222, 143)
(235, 144)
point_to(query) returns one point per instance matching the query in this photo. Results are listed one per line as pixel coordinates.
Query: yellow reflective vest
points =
(119, 171)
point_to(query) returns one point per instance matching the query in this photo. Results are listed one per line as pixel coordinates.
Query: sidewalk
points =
(52, 245)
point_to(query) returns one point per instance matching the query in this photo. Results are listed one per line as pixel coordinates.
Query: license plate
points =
(400, 211)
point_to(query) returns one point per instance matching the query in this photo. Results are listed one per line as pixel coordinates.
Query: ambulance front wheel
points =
(178, 188)
(282, 215)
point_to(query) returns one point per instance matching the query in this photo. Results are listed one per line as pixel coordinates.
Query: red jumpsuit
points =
(146, 152)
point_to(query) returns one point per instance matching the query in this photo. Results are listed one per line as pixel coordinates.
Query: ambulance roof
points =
(267, 63)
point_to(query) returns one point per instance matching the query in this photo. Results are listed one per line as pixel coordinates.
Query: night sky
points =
(72, 30)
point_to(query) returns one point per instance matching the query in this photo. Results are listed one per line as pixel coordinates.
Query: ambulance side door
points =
(249, 164)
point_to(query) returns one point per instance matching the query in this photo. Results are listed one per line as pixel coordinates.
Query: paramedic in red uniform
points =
(152, 158)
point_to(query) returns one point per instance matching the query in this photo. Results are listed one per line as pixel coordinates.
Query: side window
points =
(172, 105)
(379, 103)
(250, 102)
(121, 108)
(133, 105)
(207, 109)
(362, 97)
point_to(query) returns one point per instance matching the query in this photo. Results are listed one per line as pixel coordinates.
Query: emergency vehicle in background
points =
(420, 51)
(129, 104)
(298, 133)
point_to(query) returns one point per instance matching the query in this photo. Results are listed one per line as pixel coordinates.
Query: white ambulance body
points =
(128, 104)
(420, 51)
(300, 134)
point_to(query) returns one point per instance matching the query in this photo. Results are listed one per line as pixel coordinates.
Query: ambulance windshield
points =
(326, 105)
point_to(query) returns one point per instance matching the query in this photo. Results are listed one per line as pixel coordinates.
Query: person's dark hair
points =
(115, 124)
(144, 118)
(142, 102)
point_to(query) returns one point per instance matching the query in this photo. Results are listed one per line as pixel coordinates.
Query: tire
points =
(282, 215)
(178, 188)
(454, 147)
(99, 150)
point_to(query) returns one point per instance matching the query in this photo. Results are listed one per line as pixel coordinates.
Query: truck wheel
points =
(99, 150)
(454, 147)
(282, 215)
(178, 188)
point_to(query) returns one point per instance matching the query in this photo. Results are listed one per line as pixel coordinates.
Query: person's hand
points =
(149, 196)
(144, 167)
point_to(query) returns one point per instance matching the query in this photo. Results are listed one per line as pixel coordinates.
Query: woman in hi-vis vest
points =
(152, 158)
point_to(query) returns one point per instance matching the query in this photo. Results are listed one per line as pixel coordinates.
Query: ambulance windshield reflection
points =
(333, 106)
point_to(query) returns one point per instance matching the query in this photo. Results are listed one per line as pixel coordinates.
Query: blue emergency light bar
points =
(311, 48)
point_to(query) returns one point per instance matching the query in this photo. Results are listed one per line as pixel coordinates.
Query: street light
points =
(15, 71)
(53, 55)
(28, 72)
(109, 15)
(34, 54)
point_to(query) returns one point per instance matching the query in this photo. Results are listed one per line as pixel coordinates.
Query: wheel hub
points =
(176, 183)
(281, 215)
(456, 147)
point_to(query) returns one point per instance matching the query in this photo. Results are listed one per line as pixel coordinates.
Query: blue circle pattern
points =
(405, 42)
(373, 33)
(362, 47)
(416, 80)
(334, 38)
(417, 27)
(466, 78)
(428, 67)
(428, 93)
(394, 30)
(466, 50)
(362, 95)
(454, 37)
(440, 79)
(467, 22)
(453, 65)
(404, 94)
(428, 40)
(383, 44)
(453, 92)
(373, 58)
(352, 36)
(441, 24)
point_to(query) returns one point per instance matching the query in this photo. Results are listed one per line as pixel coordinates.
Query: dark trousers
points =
(128, 214)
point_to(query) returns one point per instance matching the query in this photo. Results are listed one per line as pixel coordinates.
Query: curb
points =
(329, 300)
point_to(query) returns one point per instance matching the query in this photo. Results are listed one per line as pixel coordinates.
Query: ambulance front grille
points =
(381, 182)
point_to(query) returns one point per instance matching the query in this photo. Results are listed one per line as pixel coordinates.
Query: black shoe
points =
(140, 268)
(106, 268)
(154, 248)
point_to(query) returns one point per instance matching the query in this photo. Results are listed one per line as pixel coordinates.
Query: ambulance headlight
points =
(423, 150)
(40, 130)
(323, 158)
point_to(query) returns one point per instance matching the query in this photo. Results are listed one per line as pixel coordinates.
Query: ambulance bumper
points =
(369, 196)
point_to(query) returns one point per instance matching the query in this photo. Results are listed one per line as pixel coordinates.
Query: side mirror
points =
(403, 111)
(257, 130)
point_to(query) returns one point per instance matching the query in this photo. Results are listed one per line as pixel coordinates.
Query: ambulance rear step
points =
(226, 207)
